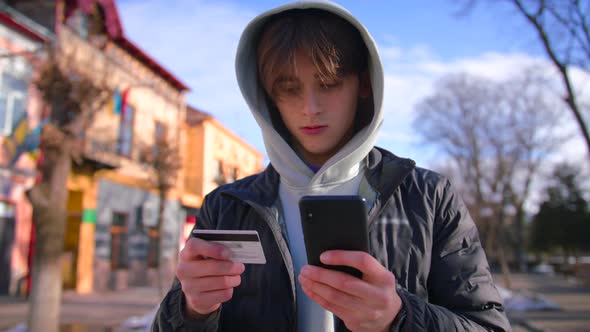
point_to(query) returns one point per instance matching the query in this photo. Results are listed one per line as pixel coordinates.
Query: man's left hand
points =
(367, 304)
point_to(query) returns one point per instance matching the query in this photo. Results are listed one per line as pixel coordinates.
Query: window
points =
(79, 23)
(125, 142)
(119, 246)
(233, 174)
(160, 136)
(218, 176)
(139, 219)
(13, 93)
(160, 131)
(96, 21)
(153, 257)
(7, 239)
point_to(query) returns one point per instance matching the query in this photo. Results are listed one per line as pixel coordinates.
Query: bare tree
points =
(563, 29)
(163, 161)
(495, 134)
(73, 101)
(562, 26)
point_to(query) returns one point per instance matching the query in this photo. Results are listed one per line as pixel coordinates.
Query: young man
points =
(312, 77)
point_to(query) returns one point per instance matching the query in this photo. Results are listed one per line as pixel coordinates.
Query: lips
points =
(313, 130)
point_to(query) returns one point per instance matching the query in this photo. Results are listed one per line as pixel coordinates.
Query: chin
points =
(322, 154)
(316, 151)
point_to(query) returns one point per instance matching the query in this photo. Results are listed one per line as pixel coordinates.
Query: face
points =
(319, 114)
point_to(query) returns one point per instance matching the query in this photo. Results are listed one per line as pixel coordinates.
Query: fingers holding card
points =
(245, 245)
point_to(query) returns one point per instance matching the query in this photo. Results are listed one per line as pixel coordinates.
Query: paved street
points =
(570, 295)
(87, 313)
(105, 311)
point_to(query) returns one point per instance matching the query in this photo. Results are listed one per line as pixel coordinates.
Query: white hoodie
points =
(341, 174)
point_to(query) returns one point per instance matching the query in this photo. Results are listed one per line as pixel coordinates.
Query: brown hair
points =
(333, 44)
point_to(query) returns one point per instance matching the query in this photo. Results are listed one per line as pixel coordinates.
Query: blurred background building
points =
(111, 239)
(21, 50)
(212, 155)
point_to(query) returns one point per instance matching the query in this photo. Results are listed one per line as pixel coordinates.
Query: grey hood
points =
(289, 165)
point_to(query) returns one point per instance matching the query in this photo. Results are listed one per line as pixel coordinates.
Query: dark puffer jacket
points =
(419, 229)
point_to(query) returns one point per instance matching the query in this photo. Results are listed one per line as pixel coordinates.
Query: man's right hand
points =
(207, 276)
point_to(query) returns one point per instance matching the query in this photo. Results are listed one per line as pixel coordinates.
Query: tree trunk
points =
(490, 239)
(45, 298)
(566, 255)
(505, 268)
(49, 201)
(161, 207)
(497, 239)
(520, 251)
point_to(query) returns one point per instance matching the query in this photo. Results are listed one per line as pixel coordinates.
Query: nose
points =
(311, 106)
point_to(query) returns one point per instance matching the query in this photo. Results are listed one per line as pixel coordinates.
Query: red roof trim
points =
(112, 22)
(115, 32)
(195, 116)
(9, 21)
(130, 47)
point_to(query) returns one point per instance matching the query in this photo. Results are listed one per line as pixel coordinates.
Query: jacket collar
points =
(388, 174)
(264, 189)
(384, 178)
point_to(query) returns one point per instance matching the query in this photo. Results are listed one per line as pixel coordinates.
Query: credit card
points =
(245, 246)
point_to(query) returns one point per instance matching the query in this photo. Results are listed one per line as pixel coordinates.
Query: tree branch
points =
(572, 26)
(570, 98)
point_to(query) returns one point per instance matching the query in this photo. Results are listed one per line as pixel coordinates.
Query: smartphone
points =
(332, 222)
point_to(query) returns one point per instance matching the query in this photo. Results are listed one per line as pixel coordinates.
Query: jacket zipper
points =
(278, 237)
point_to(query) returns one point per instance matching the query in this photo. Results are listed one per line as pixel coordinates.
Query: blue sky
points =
(419, 41)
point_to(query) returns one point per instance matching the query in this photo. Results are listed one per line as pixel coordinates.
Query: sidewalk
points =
(100, 312)
(87, 313)
(570, 295)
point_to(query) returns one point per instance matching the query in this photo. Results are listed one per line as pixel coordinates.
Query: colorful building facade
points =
(113, 204)
(22, 52)
(112, 201)
(111, 235)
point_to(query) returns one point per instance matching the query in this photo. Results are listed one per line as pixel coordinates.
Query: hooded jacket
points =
(419, 228)
(340, 175)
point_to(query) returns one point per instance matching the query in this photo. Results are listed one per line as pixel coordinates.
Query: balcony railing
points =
(102, 151)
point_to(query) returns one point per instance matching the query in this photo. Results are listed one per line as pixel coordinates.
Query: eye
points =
(330, 84)
(288, 89)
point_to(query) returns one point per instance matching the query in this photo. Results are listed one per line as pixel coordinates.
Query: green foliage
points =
(563, 221)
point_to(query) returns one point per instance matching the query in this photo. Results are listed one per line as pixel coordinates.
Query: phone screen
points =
(332, 222)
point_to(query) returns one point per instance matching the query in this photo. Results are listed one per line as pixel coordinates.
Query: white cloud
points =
(197, 40)
(410, 76)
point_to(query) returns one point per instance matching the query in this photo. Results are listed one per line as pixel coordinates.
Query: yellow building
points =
(111, 194)
(112, 204)
(111, 236)
(212, 155)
